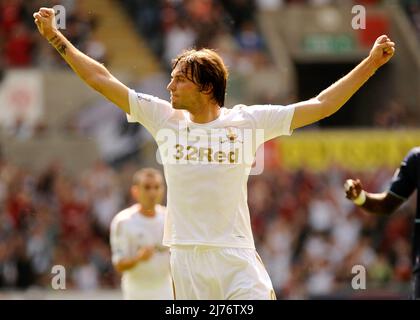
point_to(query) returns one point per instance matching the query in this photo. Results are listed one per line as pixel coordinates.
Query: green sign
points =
(327, 43)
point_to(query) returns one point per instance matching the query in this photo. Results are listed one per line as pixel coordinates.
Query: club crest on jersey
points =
(232, 134)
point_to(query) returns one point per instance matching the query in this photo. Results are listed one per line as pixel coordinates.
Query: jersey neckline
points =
(207, 124)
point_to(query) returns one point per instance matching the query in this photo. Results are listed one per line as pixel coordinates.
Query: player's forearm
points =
(126, 264)
(381, 203)
(336, 95)
(375, 203)
(143, 254)
(85, 67)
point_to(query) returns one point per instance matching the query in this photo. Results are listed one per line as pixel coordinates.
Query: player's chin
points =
(176, 106)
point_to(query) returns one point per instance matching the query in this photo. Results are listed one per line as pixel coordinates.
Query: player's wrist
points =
(361, 199)
(52, 36)
(372, 64)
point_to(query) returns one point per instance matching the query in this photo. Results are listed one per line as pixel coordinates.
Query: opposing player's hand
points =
(382, 51)
(353, 188)
(45, 22)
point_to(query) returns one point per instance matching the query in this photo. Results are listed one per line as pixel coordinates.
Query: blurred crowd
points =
(230, 26)
(308, 234)
(412, 8)
(168, 25)
(54, 218)
(21, 46)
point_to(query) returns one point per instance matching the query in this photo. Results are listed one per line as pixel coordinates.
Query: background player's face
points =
(149, 191)
(185, 94)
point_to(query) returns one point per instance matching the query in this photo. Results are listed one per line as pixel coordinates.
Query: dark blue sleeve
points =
(405, 179)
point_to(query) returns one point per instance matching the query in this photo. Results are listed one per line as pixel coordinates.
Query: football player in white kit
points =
(136, 241)
(205, 149)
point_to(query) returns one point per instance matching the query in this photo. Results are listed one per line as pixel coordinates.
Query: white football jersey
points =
(207, 167)
(130, 231)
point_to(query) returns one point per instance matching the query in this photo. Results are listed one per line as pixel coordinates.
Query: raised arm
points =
(89, 70)
(335, 96)
(379, 203)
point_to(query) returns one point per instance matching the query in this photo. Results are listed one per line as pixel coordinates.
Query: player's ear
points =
(134, 192)
(207, 89)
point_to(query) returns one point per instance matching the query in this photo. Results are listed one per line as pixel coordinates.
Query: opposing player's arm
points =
(143, 254)
(90, 71)
(379, 203)
(334, 97)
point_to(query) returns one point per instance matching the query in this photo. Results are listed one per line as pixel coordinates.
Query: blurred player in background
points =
(406, 179)
(208, 225)
(136, 241)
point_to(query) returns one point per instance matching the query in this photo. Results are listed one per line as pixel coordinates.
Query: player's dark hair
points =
(145, 172)
(205, 68)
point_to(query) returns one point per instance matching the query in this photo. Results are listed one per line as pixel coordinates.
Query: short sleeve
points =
(119, 243)
(275, 120)
(404, 181)
(148, 110)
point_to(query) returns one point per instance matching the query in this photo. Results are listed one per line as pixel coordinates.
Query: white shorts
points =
(217, 273)
(162, 292)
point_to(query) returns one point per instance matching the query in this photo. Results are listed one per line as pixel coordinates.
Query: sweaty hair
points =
(146, 172)
(206, 69)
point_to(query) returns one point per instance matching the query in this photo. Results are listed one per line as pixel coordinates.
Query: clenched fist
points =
(353, 188)
(45, 22)
(382, 51)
